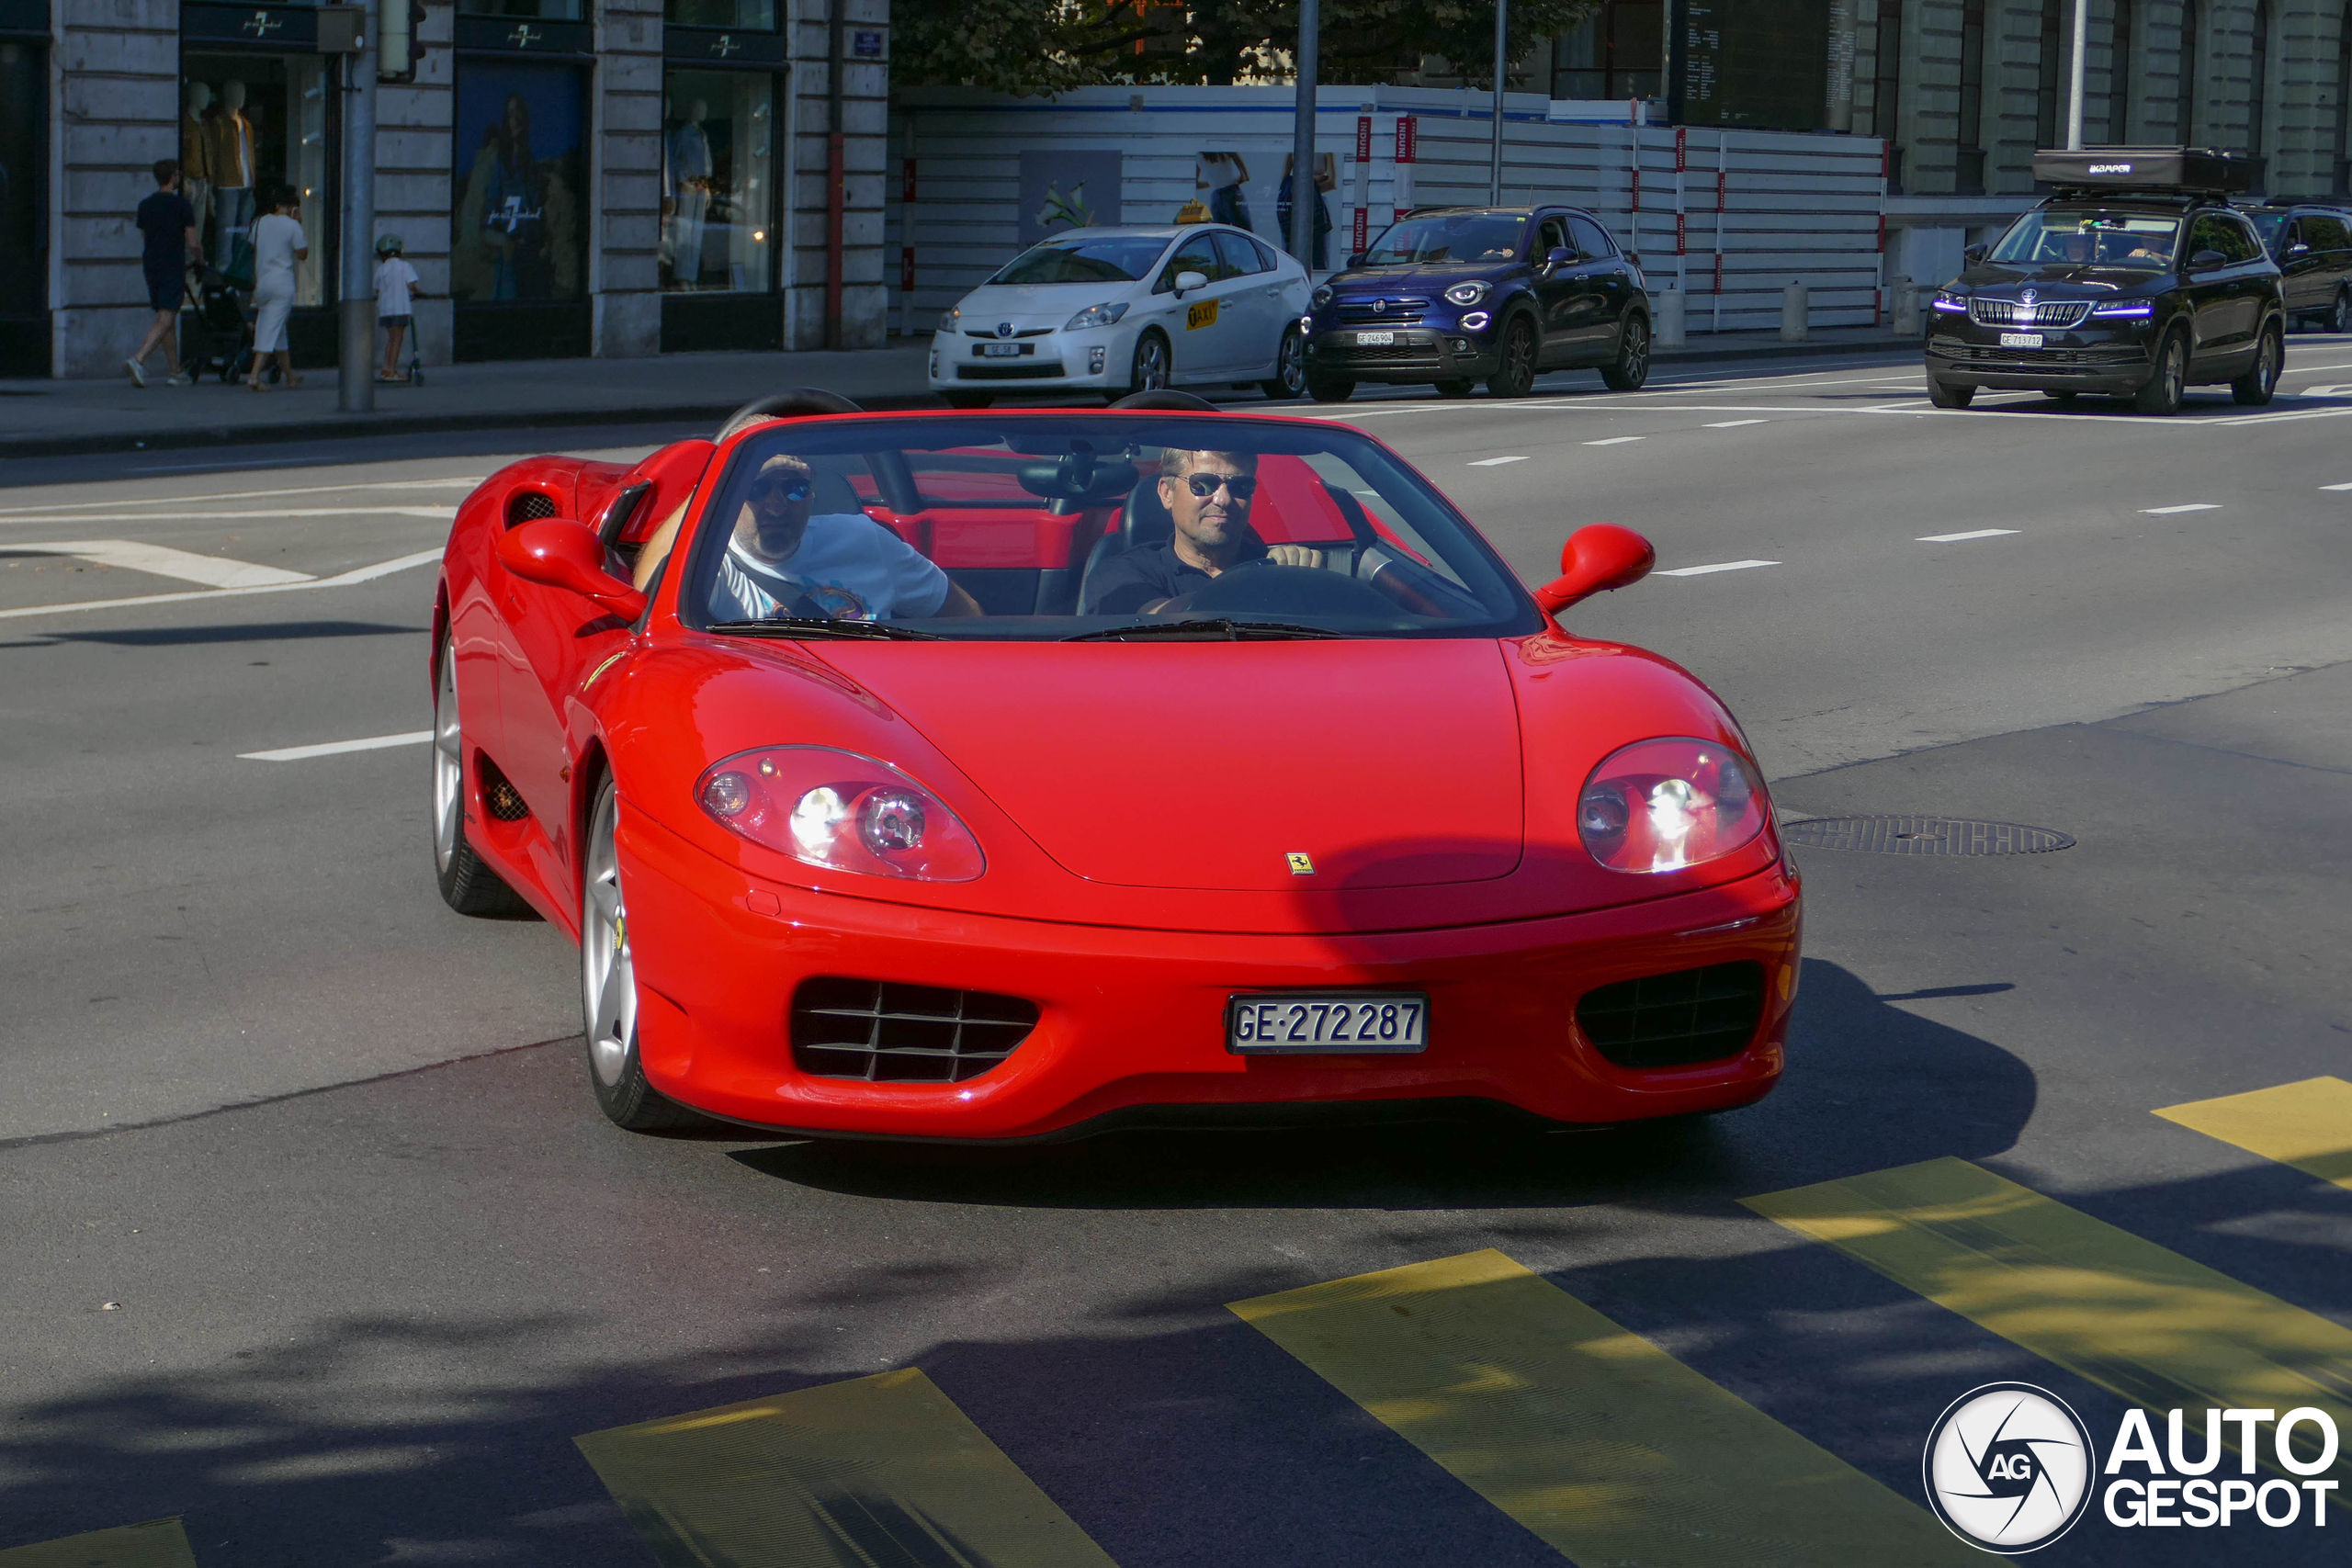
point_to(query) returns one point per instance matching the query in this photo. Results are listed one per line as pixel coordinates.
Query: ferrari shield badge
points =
(1300, 866)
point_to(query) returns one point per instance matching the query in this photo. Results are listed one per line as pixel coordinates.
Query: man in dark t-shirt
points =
(168, 222)
(1207, 495)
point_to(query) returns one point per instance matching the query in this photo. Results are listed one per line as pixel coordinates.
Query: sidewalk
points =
(42, 419)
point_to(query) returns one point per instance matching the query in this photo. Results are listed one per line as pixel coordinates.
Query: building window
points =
(2184, 106)
(521, 230)
(1886, 87)
(1968, 170)
(2343, 148)
(1618, 51)
(253, 124)
(718, 186)
(23, 206)
(525, 10)
(2258, 92)
(2049, 83)
(741, 16)
(2119, 74)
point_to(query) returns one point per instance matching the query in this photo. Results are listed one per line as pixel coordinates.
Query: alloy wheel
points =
(1151, 365)
(1290, 369)
(2340, 316)
(607, 974)
(448, 761)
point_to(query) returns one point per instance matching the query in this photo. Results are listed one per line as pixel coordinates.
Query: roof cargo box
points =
(2144, 168)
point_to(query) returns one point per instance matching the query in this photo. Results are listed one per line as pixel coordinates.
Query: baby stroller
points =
(216, 330)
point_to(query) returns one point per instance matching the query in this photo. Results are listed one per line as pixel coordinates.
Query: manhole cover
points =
(1923, 836)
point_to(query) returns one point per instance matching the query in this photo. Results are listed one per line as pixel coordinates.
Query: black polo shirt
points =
(1148, 573)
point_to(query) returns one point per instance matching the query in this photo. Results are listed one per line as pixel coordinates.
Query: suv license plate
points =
(2020, 340)
(1350, 1023)
(1009, 350)
(1375, 340)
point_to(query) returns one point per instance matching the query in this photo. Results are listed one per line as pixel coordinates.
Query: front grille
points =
(882, 1031)
(1980, 358)
(2044, 313)
(1008, 372)
(993, 336)
(1394, 313)
(528, 506)
(1672, 1021)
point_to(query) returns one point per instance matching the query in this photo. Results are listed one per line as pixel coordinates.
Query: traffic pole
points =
(1303, 194)
(356, 358)
(2074, 77)
(1495, 167)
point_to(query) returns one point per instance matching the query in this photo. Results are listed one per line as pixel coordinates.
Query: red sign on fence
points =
(1722, 183)
(1719, 272)
(1637, 187)
(1364, 231)
(1681, 236)
(1364, 139)
(1682, 147)
(907, 189)
(1404, 138)
(906, 269)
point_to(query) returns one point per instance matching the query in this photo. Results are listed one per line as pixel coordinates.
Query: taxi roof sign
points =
(2146, 168)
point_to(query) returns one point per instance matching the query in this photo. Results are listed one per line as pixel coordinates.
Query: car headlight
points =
(947, 322)
(1095, 316)
(1469, 293)
(1668, 804)
(1321, 297)
(839, 810)
(1947, 300)
(2120, 309)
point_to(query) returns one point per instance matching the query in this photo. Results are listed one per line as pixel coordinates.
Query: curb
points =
(349, 426)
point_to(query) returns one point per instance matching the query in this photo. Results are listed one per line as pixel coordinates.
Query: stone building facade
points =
(614, 178)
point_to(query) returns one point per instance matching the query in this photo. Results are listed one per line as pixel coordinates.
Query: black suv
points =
(1460, 295)
(2312, 246)
(2137, 277)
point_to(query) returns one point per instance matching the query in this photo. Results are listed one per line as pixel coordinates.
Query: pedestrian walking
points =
(168, 222)
(278, 243)
(396, 292)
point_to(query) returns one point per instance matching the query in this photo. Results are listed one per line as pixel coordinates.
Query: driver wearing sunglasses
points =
(841, 566)
(1208, 495)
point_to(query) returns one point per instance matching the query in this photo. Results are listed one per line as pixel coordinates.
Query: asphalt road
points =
(315, 1241)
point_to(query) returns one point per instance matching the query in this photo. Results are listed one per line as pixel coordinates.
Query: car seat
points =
(1144, 523)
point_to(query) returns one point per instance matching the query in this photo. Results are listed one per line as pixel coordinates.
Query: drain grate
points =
(1923, 836)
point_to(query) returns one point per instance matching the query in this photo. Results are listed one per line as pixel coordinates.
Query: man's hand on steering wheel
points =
(1293, 555)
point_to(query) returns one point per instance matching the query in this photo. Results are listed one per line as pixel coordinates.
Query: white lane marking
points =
(2325, 389)
(2190, 506)
(1734, 423)
(1719, 566)
(2280, 418)
(1616, 440)
(162, 560)
(1493, 462)
(1956, 538)
(248, 494)
(341, 579)
(438, 514)
(335, 748)
(2336, 487)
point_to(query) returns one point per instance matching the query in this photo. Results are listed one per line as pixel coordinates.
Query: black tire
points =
(2261, 379)
(1949, 394)
(1515, 378)
(1632, 366)
(1289, 379)
(467, 883)
(968, 400)
(2061, 397)
(608, 1002)
(1153, 366)
(2167, 380)
(1332, 390)
(1455, 388)
(2339, 315)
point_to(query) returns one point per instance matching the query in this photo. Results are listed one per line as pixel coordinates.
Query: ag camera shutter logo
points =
(2010, 1468)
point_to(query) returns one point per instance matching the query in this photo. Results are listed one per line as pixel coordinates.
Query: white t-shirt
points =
(276, 239)
(1220, 171)
(850, 567)
(394, 278)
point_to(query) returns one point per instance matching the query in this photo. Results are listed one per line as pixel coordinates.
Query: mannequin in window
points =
(515, 210)
(229, 162)
(196, 172)
(687, 152)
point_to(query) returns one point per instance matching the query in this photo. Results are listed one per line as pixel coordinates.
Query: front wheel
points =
(2062, 398)
(468, 885)
(1516, 377)
(1332, 389)
(1632, 366)
(1949, 394)
(2254, 388)
(2169, 380)
(608, 986)
(1289, 379)
(1150, 370)
(968, 400)
(2339, 315)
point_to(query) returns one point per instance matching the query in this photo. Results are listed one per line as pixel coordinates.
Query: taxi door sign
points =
(1200, 313)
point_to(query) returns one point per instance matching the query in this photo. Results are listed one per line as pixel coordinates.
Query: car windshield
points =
(2100, 236)
(1112, 527)
(1449, 237)
(2271, 226)
(1104, 258)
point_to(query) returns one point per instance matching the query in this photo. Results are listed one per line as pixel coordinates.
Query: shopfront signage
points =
(866, 45)
(503, 35)
(261, 24)
(269, 26)
(734, 47)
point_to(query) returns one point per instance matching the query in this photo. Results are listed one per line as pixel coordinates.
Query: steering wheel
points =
(1260, 587)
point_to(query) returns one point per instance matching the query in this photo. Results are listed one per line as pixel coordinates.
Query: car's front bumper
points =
(2091, 359)
(1134, 1021)
(1099, 360)
(1419, 354)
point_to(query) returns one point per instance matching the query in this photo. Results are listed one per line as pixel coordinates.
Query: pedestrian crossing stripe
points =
(882, 1470)
(158, 1544)
(1599, 1442)
(2160, 1330)
(2307, 1125)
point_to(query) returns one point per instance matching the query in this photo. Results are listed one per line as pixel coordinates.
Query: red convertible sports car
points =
(1024, 774)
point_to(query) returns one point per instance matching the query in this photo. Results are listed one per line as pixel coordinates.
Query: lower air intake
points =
(1673, 1020)
(882, 1032)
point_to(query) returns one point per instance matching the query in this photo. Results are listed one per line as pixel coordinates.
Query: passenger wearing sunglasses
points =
(840, 566)
(1207, 495)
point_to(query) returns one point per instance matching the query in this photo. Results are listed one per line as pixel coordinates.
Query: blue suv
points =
(1460, 295)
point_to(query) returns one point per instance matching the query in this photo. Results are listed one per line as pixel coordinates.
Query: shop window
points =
(718, 207)
(742, 16)
(1615, 52)
(520, 234)
(525, 10)
(24, 237)
(250, 124)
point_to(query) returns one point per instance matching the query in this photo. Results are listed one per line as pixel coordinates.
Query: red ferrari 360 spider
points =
(1021, 774)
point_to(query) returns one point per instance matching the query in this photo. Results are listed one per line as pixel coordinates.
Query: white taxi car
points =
(1128, 309)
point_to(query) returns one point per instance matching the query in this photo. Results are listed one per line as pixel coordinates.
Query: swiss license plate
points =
(1011, 350)
(2020, 340)
(1375, 340)
(1330, 1023)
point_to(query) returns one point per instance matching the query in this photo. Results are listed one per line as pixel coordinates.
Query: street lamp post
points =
(1303, 194)
(2075, 77)
(1495, 168)
(356, 358)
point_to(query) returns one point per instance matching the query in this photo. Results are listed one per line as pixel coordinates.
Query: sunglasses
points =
(794, 487)
(1241, 487)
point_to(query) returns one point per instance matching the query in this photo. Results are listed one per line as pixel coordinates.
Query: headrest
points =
(1144, 521)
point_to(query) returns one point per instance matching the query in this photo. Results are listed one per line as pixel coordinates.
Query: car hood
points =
(2081, 278)
(1209, 765)
(1035, 304)
(1371, 281)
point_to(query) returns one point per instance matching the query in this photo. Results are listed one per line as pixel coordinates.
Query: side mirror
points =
(1595, 560)
(1355, 258)
(557, 552)
(1973, 254)
(2297, 249)
(1188, 281)
(2207, 261)
(1559, 257)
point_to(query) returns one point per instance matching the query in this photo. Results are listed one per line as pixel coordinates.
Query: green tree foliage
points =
(1033, 47)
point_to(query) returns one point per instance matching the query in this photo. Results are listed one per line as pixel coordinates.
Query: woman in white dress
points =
(278, 243)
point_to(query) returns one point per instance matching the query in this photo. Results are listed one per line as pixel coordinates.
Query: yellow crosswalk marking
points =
(883, 1471)
(1602, 1444)
(2307, 1125)
(158, 1544)
(2156, 1327)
